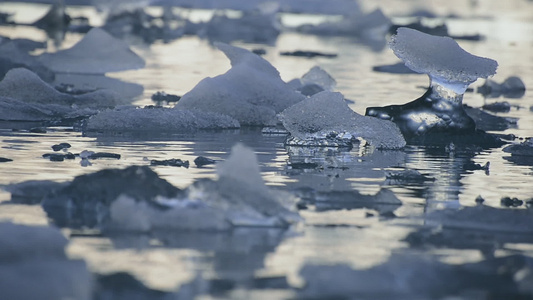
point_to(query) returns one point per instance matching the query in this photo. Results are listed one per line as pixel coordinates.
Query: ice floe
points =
(327, 116)
(33, 265)
(251, 92)
(97, 53)
(157, 119)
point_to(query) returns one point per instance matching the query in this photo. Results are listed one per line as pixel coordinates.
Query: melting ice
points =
(450, 69)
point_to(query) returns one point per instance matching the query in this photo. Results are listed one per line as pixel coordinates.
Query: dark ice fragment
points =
(3, 159)
(164, 97)
(173, 162)
(201, 161)
(60, 146)
(308, 54)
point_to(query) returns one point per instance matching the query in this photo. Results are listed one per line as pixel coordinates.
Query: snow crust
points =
(440, 57)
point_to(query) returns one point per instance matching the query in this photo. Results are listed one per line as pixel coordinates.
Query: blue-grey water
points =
(356, 237)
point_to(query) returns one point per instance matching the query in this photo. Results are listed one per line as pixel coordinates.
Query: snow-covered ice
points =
(96, 53)
(33, 265)
(326, 115)
(157, 119)
(441, 58)
(251, 92)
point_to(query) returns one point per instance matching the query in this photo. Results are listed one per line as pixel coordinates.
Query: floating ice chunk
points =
(25, 86)
(251, 92)
(97, 53)
(326, 115)
(33, 265)
(441, 58)
(158, 119)
(438, 115)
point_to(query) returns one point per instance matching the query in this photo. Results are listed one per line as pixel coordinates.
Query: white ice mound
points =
(440, 57)
(158, 119)
(326, 114)
(252, 91)
(33, 265)
(239, 197)
(97, 53)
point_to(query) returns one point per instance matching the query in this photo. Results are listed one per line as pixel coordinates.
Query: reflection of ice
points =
(251, 91)
(326, 115)
(97, 53)
(451, 70)
(136, 199)
(406, 276)
(33, 265)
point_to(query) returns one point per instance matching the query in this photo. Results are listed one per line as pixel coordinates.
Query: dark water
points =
(357, 236)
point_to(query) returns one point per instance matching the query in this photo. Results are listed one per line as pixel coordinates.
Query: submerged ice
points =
(450, 69)
(251, 92)
(326, 116)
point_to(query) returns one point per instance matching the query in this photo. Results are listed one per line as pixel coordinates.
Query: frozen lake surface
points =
(438, 232)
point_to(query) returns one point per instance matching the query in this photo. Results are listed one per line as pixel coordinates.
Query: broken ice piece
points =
(450, 69)
(327, 116)
(201, 161)
(97, 53)
(174, 162)
(251, 92)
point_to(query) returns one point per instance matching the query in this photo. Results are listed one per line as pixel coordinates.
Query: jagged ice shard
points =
(326, 120)
(251, 92)
(450, 69)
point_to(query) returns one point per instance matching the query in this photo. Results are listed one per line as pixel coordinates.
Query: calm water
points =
(165, 262)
